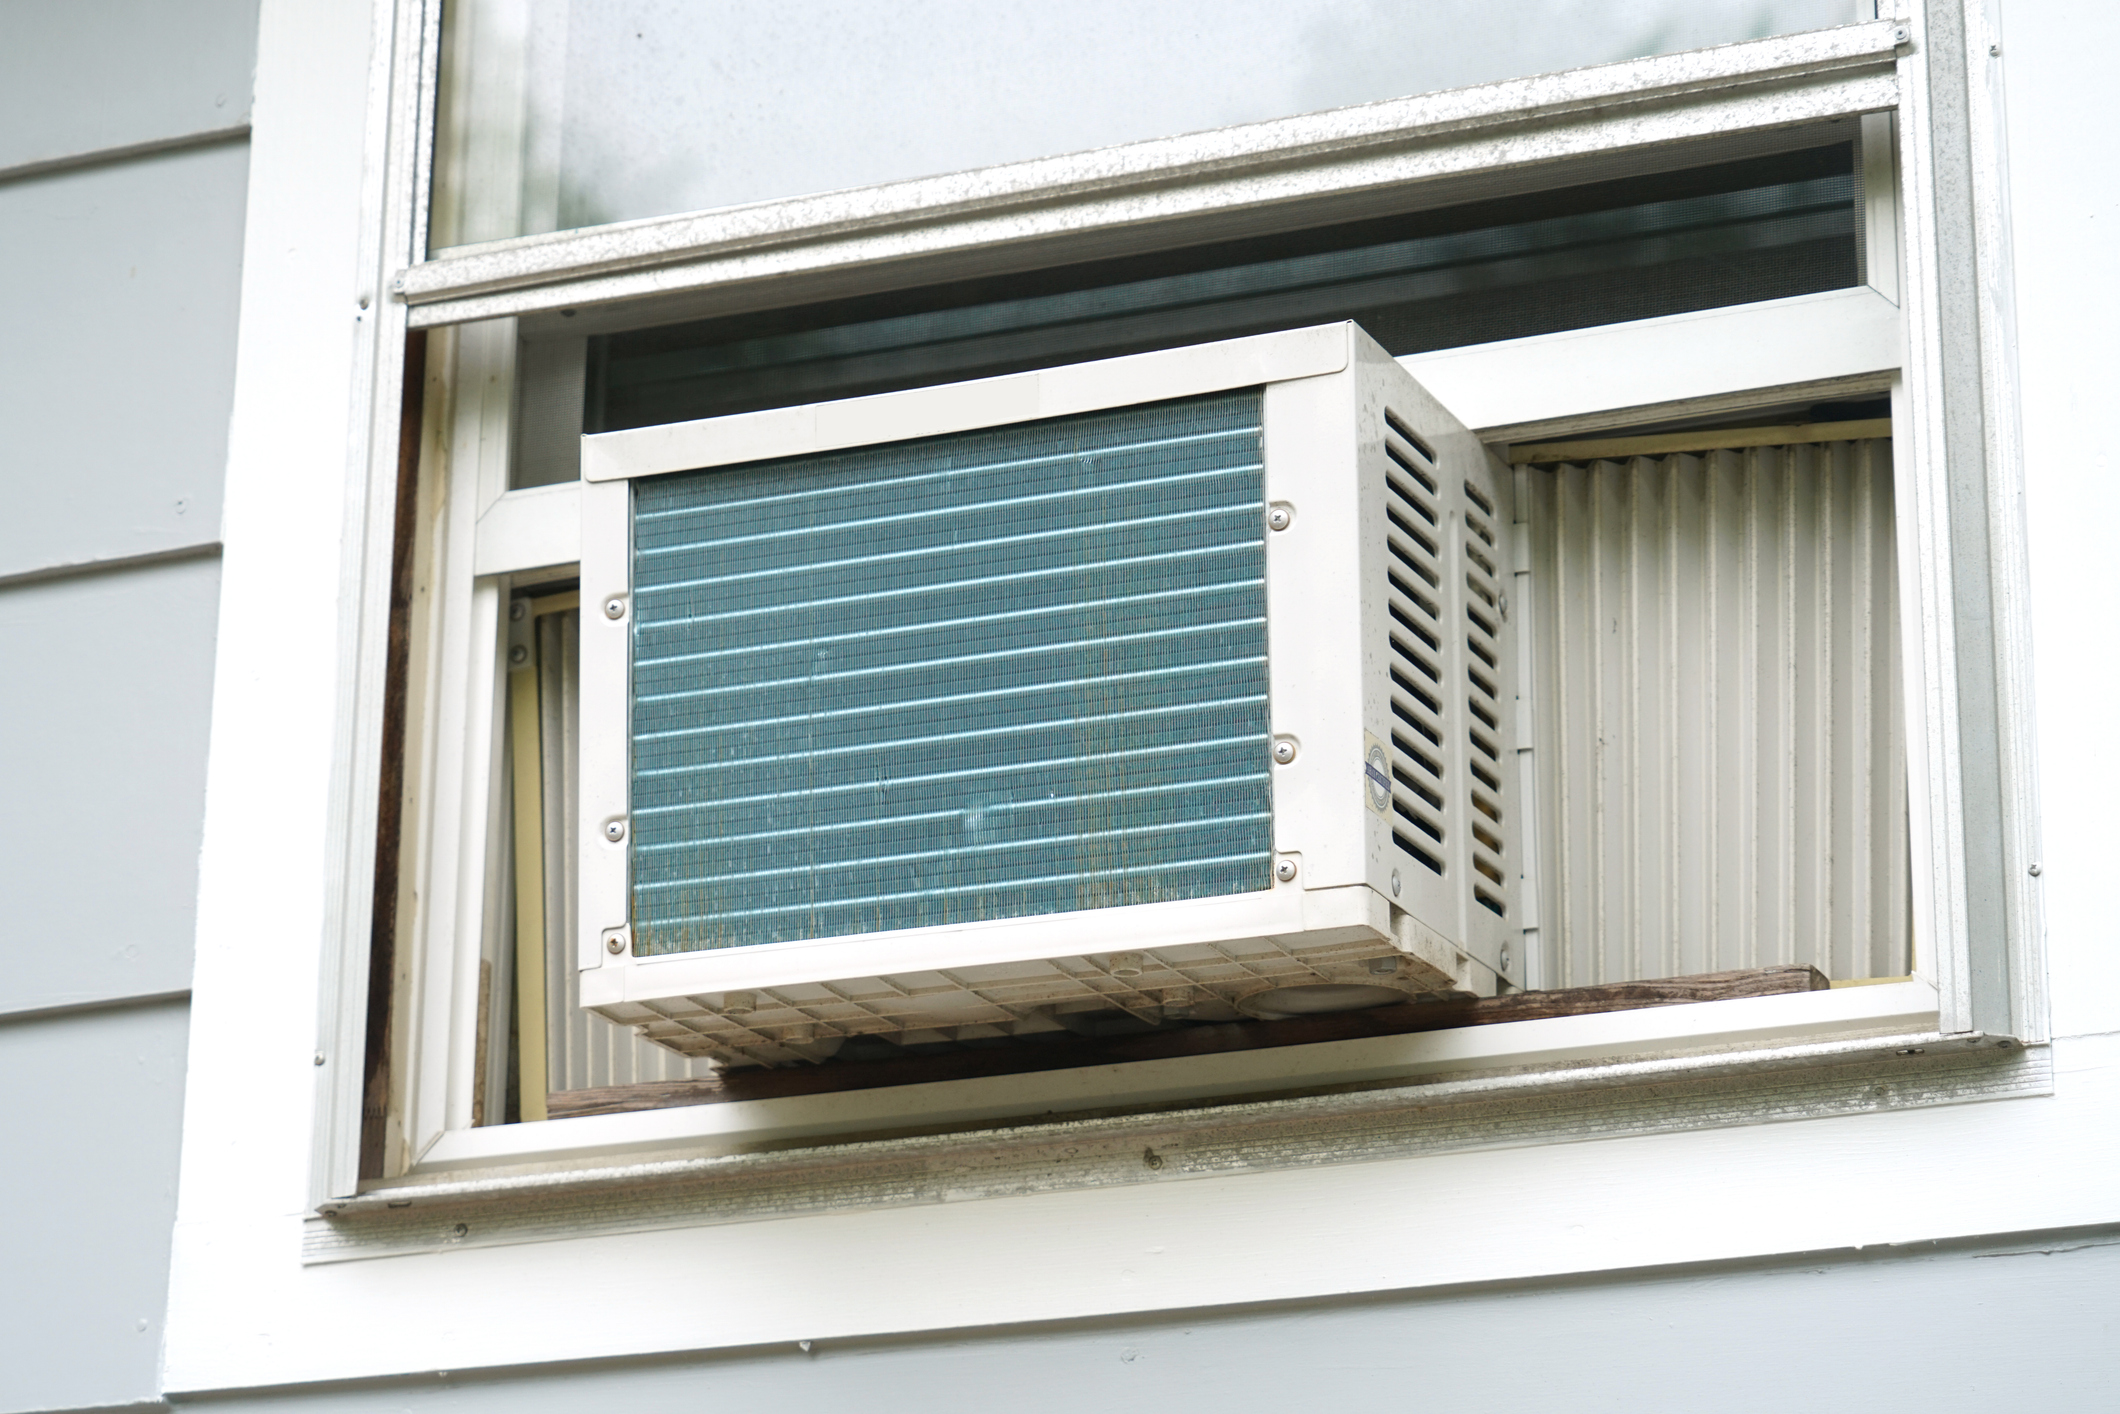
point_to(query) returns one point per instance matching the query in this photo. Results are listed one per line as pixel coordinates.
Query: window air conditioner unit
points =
(1179, 685)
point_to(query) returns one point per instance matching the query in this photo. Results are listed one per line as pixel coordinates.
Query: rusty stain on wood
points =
(389, 811)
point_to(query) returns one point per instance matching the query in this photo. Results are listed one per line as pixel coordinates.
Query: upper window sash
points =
(1429, 149)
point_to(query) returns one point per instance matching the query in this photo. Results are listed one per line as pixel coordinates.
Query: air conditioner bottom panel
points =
(1197, 981)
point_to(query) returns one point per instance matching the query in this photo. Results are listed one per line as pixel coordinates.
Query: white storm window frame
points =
(1960, 546)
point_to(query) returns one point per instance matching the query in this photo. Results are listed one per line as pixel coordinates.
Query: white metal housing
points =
(1393, 823)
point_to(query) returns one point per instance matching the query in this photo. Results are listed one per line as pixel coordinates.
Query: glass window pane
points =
(558, 114)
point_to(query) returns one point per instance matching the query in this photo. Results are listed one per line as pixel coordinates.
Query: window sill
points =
(1704, 1065)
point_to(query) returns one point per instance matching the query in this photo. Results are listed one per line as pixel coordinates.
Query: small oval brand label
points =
(1376, 777)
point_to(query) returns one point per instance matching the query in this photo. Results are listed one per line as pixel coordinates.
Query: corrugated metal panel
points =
(991, 675)
(582, 1049)
(1720, 754)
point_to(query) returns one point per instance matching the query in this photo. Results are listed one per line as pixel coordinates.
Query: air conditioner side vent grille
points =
(1418, 663)
(1485, 607)
(1396, 426)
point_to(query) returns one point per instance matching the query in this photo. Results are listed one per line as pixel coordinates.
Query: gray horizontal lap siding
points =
(103, 728)
(124, 168)
(83, 77)
(117, 365)
(94, 1112)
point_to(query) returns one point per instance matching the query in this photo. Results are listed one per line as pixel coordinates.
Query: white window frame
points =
(1980, 971)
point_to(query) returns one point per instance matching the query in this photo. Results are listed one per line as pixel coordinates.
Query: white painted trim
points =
(601, 868)
(1391, 148)
(1879, 176)
(530, 530)
(391, 186)
(453, 741)
(1929, 646)
(1964, 625)
(1430, 1117)
(2008, 540)
(1620, 373)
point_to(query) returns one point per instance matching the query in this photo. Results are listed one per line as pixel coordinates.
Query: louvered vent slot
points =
(989, 675)
(1419, 686)
(1483, 701)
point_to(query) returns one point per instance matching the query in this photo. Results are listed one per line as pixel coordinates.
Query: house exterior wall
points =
(123, 178)
(1944, 1259)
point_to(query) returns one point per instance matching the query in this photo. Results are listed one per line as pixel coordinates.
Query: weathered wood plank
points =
(1065, 1053)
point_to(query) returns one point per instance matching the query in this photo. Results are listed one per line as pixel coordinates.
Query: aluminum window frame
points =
(1960, 526)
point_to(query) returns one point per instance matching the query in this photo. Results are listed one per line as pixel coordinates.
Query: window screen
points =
(1733, 233)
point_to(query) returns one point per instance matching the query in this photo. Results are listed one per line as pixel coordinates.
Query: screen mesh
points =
(988, 675)
(1758, 229)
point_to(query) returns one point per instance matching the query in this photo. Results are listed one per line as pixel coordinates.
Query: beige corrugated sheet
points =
(583, 1049)
(1718, 740)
